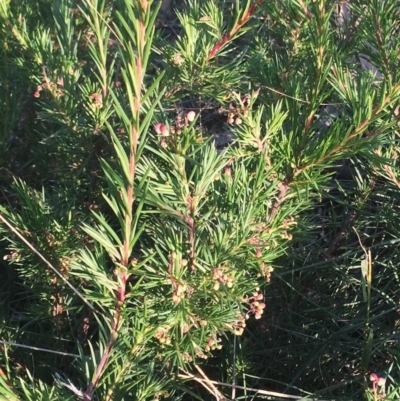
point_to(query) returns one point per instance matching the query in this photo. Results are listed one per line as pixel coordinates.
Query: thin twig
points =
(210, 385)
(234, 368)
(283, 188)
(255, 390)
(38, 349)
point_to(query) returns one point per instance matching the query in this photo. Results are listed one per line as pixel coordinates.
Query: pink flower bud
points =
(176, 300)
(228, 172)
(238, 121)
(381, 381)
(164, 130)
(373, 377)
(96, 100)
(161, 129)
(157, 128)
(191, 115)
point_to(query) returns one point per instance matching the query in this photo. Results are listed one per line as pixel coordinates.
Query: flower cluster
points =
(286, 235)
(380, 382)
(55, 89)
(179, 294)
(238, 327)
(161, 129)
(97, 100)
(256, 307)
(245, 104)
(161, 394)
(221, 277)
(180, 122)
(162, 336)
(212, 345)
(266, 271)
(286, 225)
(232, 117)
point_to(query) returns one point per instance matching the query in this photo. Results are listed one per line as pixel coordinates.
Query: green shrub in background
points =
(135, 247)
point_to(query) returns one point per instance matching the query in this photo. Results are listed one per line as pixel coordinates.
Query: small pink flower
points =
(161, 129)
(381, 381)
(38, 90)
(228, 172)
(191, 115)
(373, 377)
(238, 121)
(97, 100)
(164, 130)
(157, 128)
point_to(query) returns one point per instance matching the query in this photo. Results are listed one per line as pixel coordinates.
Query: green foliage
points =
(136, 248)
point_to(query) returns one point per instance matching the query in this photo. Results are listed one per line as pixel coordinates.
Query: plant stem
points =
(122, 272)
(227, 37)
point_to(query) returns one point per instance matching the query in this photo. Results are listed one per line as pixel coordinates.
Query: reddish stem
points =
(192, 240)
(122, 274)
(283, 188)
(88, 394)
(227, 37)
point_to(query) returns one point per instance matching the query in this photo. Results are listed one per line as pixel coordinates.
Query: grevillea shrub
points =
(133, 242)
